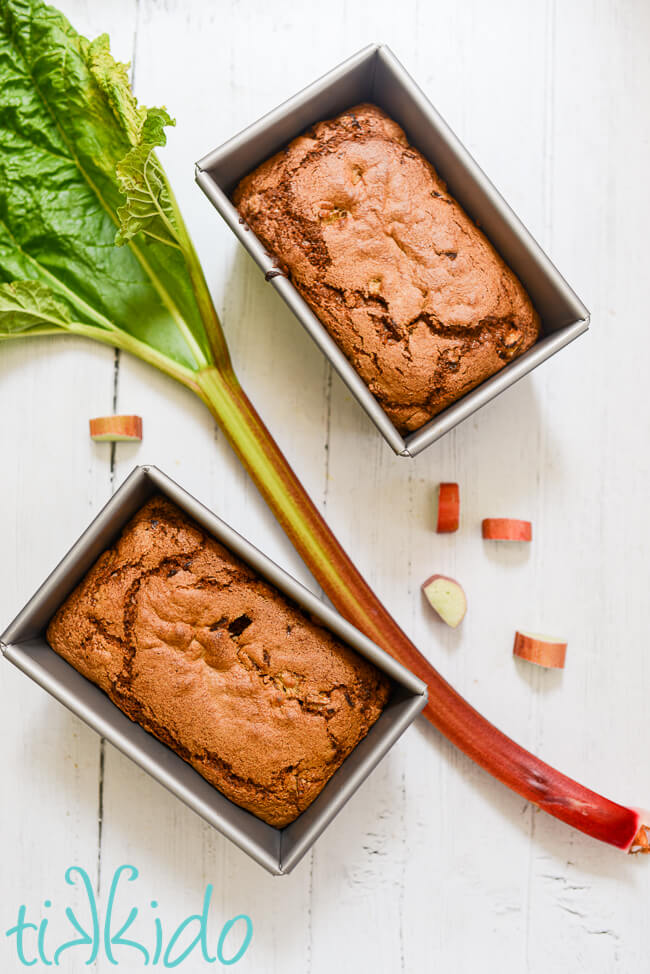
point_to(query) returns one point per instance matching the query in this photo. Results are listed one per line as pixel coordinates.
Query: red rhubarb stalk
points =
(453, 716)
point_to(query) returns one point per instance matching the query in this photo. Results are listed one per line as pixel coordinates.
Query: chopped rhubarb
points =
(448, 508)
(116, 429)
(447, 597)
(507, 529)
(542, 650)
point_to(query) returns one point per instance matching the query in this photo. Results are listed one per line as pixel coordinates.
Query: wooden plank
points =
(285, 376)
(440, 876)
(589, 569)
(54, 480)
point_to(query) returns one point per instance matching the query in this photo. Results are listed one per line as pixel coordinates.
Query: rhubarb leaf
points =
(29, 304)
(68, 119)
(113, 80)
(142, 180)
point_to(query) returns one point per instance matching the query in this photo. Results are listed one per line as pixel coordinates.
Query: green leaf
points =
(29, 304)
(113, 79)
(68, 118)
(141, 178)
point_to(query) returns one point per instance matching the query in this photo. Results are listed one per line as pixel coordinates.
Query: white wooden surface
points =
(433, 866)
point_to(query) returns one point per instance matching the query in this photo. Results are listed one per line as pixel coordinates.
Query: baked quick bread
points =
(189, 642)
(405, 283)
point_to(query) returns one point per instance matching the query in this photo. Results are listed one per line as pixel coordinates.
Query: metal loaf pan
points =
(24, 644)
(375, 75)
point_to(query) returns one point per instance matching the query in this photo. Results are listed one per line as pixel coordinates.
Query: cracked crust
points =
(405, 283)
(189, 642)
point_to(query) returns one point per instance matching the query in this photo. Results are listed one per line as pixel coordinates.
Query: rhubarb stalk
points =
(453, 716)
(147, 295)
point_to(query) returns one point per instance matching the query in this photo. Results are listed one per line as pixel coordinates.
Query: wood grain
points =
(432, 866)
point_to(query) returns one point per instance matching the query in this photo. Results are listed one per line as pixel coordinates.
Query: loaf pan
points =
(24, 644)
(375, 75)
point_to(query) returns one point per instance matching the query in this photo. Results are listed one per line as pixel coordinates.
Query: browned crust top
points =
(189, 642)
(410, 289)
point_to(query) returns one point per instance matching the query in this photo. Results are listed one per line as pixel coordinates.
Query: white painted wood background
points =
(433, 866)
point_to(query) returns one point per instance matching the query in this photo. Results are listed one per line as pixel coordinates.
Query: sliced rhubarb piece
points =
(447, 597)
(507, 529)
(448, 508)
(539, 649)
(116, 429)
